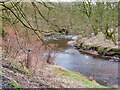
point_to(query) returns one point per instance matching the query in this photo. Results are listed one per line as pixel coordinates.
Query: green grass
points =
(76, 76)
(10, 83)
(13, 84)
(1, 73)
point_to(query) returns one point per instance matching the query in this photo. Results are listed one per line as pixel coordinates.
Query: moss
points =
(94, 47)
(106, 51)
(113, 51)
(101, 50)
(80, 41)
(77, 45)
(88, 47)
(116, 50)
(83, 47)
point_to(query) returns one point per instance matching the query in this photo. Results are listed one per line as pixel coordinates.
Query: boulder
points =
(71, 43)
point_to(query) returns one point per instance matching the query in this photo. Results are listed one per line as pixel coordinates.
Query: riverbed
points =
(104, 71)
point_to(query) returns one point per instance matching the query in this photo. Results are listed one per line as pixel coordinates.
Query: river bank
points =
(98, 46)
(49, 76)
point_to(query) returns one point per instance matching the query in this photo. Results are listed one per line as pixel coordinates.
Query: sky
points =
(81, 0)
(69, 0)
(58, 0)
(64, 0)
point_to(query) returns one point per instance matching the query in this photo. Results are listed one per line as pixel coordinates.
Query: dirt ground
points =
(50, 76)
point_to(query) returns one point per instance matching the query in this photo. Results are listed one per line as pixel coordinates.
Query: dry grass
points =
(98, 40)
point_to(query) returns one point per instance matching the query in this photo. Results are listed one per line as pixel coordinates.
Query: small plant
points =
(13, 84)
(1, 73)
(26, 70)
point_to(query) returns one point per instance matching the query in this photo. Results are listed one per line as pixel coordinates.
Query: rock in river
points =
(71, 43)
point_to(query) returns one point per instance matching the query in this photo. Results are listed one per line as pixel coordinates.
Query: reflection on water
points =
(103, 71)
(60, 43)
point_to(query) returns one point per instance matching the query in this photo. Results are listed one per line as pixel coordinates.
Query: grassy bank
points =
(76, 79)
(50, 76)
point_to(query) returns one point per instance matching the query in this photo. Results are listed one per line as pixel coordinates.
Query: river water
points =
(105, 72)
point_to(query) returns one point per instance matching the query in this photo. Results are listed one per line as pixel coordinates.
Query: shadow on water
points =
(103, 71)
(60, 43)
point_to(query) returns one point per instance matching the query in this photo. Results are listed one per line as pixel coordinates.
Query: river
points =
(105, 72)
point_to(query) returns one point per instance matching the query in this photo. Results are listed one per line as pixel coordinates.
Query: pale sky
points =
(63, 0)
(80, 0)
(58, 0)
(69, 0)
